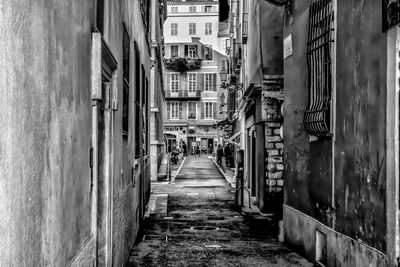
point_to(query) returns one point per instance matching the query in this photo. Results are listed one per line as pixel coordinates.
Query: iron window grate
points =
(317, 118)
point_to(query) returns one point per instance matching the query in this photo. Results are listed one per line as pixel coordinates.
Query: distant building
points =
(194, 55)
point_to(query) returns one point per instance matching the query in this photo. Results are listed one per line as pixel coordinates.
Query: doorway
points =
(170, 141)
(191, 145)
(210, 145)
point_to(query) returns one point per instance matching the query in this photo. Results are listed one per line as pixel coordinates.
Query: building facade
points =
(193, 57)
(157, 90)
(341, 131)
(74, 141)
(255, 85)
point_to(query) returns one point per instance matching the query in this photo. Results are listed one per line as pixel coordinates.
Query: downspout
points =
(95, 96)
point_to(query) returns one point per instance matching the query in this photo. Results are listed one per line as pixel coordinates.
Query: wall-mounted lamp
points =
(223, 75)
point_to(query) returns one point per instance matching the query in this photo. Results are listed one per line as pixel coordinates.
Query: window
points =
(100, 15)
(174, 110)
(137, 102)
(192, 110)
(192, 9)
(174, 9)
(174, 51)
(208, 110)
(145, 10)
(208, 52)
(174, 29)
(208, 9)
(192, 28)
(192, 82)
(317, 117)
(144, 120)
(174, 83)
(125, 92)
(208, 28)
(210, 80)
(192, 50)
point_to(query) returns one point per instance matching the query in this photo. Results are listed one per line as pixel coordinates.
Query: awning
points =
(230, 140)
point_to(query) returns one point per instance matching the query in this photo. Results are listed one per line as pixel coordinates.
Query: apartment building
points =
(194, 55)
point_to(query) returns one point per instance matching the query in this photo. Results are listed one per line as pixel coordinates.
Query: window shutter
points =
(214, 106)
(202, 51)
(200, 82)
(180, 110)
(202, 107)
(186, 50)
(168, 81)
(168, 110)
(214, 82)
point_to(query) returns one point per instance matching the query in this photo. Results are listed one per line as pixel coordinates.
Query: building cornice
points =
(192, 3)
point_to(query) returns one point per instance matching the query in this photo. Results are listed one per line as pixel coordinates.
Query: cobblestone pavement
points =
(200, 226)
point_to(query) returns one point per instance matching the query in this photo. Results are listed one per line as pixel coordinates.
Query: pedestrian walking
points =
(227, 153)
(198, 151)
(220, 154)
(184, 148)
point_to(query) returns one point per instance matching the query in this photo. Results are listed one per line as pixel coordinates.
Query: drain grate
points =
(215, 218)
(155, 237)
(204, 228)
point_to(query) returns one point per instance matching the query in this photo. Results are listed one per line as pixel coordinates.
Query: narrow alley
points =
(200, 133)
(194, 222)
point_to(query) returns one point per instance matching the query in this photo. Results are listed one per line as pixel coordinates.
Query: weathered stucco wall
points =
(296, 140)
(359, 159)
(126, 191)
(360, 174)
(45, 135)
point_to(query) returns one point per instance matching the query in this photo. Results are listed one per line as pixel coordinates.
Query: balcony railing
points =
(183, 64)
(183, 94)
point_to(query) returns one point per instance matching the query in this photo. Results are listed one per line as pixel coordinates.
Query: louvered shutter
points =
(202, 107)
(168, 110)
(167, 81)
(214, 107)
(180, 110)
(200, 82)
(214, 82)
(186, 50)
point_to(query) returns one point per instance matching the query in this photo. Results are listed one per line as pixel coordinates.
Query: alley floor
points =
(194, 222)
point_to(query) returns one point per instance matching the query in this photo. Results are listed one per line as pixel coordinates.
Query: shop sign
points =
(287, 47)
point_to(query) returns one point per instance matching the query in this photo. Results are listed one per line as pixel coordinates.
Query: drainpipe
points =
(95, 96)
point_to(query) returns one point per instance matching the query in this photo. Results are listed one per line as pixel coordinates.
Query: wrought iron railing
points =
(317, 117)
(182, 94)
(183, 64)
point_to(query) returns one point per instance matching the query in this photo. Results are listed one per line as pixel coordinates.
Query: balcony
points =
(182, 94)
(182, 64)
